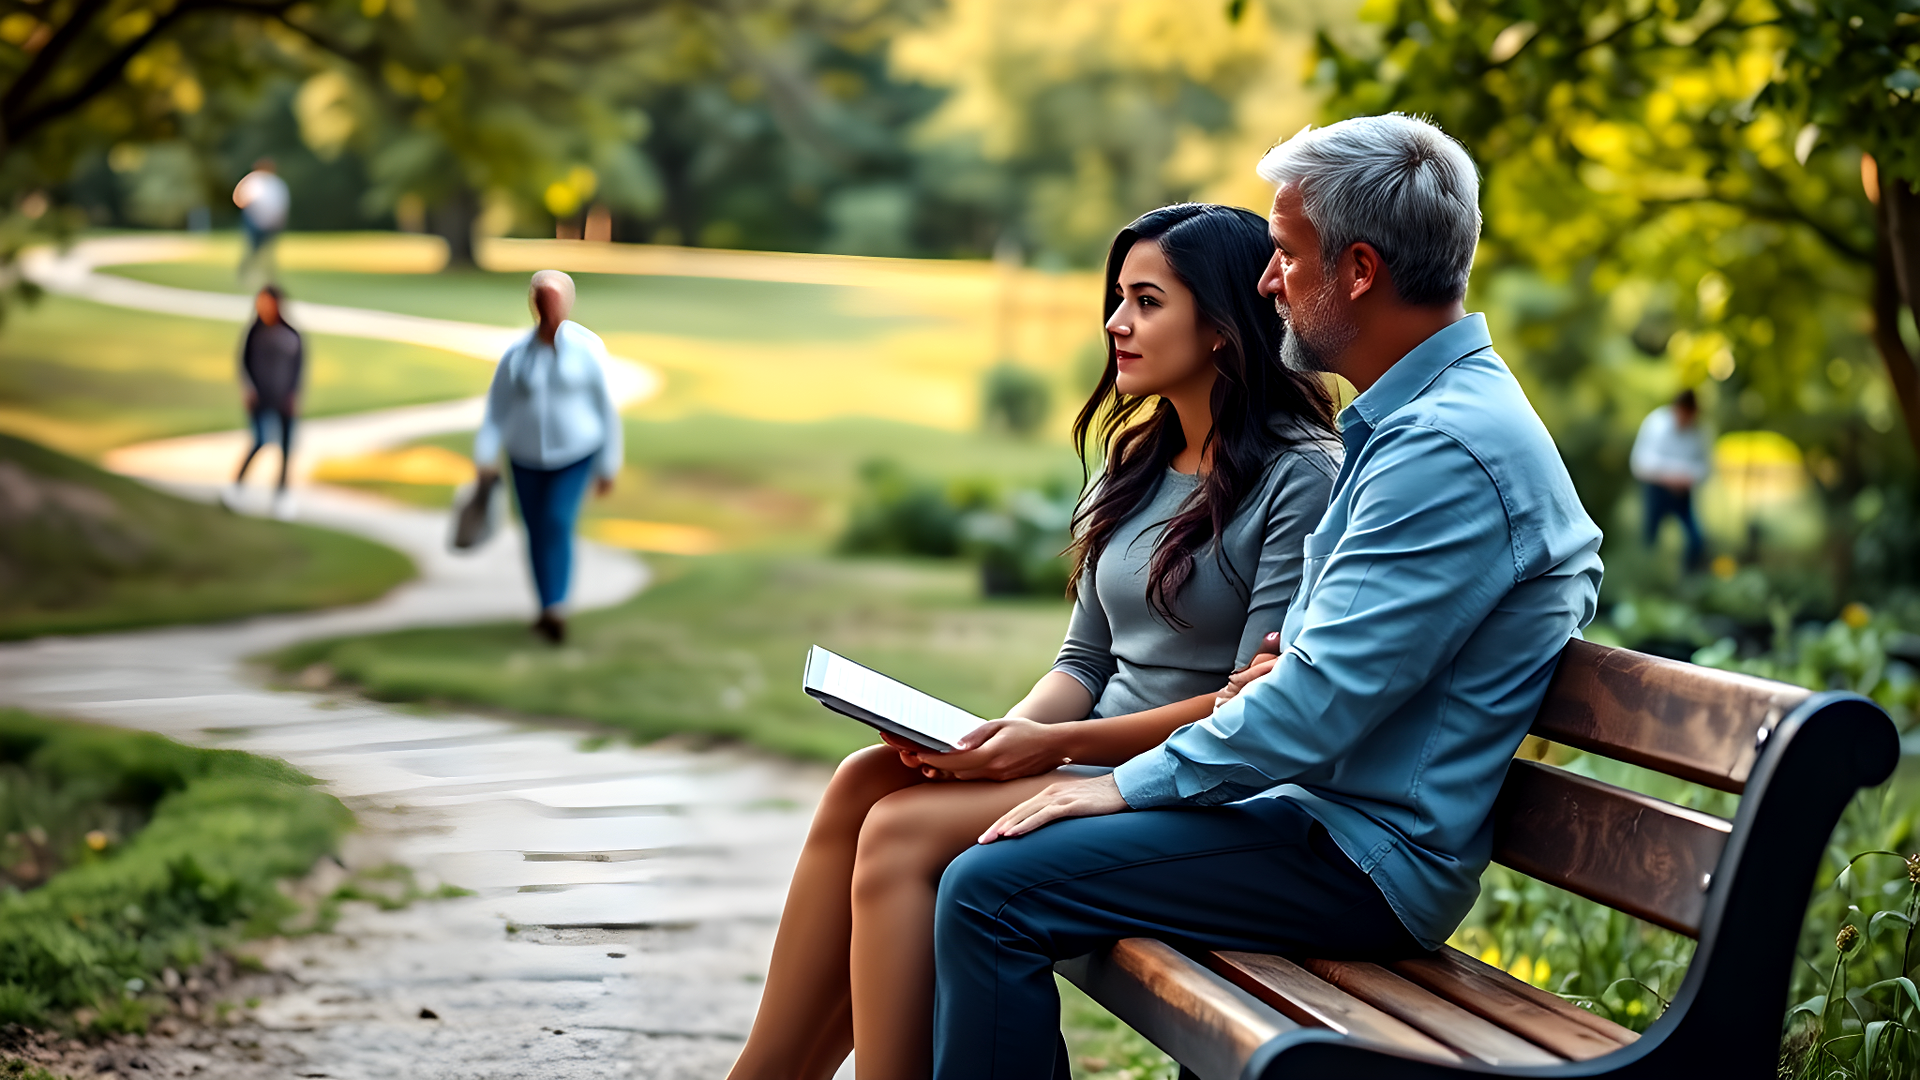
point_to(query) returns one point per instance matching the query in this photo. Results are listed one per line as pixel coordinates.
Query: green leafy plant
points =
(1015, 398)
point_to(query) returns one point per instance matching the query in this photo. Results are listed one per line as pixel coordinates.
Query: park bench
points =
(1738, 887)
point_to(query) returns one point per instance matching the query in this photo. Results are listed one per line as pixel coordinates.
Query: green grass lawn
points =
(715, 308)
(765, 485)
(126, 854)
(85, 377)
(714, 648)
(84, 550)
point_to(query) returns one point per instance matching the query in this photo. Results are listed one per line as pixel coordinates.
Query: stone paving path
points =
(625, 898)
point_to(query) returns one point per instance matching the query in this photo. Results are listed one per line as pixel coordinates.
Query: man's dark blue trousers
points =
(1261, 876)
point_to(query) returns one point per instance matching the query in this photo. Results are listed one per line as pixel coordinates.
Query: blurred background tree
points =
(876, 127)
(1676, 195)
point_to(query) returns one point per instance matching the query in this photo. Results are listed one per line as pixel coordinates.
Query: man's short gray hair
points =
(1396, 182)
(557, 279)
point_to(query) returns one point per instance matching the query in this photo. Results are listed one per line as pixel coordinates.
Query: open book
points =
(884, 703)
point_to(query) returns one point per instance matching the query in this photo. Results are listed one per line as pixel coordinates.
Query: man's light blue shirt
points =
(549, 405)
(1453, 565)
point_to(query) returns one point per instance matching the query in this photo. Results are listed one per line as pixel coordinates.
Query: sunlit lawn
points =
(85, 377)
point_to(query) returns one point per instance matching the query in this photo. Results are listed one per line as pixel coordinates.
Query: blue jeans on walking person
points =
(1664, 502)
(269, 425)
(550, 505)
(1260, 875)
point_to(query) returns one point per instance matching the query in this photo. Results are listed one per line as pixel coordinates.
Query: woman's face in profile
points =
(1160, 342)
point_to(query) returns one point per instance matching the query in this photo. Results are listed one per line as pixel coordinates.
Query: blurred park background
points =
(858, 240)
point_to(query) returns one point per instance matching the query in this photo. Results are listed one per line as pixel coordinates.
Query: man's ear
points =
(1363, 271)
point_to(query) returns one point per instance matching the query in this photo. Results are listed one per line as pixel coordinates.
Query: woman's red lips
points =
(1122, 354)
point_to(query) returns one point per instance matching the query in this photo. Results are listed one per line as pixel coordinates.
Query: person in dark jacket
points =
(272, 357)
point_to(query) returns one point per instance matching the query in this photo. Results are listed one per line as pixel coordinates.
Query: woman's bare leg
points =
(804, 1028)
(909, 838)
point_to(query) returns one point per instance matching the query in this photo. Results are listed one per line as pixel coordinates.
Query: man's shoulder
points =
(575, 334)
(1477, 403)
(1480, 407)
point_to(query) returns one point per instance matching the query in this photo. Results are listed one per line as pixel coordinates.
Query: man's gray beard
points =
(1309, 348)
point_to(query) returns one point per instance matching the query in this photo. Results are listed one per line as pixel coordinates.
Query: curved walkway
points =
(624, 898)
(209, 458)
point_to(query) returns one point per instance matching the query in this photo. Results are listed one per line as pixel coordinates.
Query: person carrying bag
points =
(550, 410)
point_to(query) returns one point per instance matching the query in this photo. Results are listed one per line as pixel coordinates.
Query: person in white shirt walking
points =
(550, 410)
(1670, 458)
(263, 200)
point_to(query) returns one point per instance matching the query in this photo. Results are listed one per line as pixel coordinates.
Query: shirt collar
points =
(1413, 373)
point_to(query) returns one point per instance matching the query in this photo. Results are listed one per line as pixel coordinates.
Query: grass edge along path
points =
(86, 951)
(84, 550)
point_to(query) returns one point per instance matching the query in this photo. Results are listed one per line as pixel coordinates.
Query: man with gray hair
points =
(1338, 804)
(549, 410)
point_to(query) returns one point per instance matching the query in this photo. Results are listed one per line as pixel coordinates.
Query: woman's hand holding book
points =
(1004, 749)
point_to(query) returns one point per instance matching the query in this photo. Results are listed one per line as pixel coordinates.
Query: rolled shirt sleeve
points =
(1426, 555)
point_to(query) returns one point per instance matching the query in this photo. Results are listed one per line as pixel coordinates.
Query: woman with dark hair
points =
(1216, 461)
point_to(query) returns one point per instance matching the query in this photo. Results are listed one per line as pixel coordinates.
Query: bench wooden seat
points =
(1794, 757)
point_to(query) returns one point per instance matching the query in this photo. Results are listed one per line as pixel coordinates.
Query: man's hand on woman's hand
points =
(1095, 796)
(1238, 681)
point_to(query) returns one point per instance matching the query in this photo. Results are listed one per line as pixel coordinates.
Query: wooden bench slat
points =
(1430, 1013)
(1200, 1019)
(1696, 723)
(1306, 999)
(1528, 1011)
(1629, 851)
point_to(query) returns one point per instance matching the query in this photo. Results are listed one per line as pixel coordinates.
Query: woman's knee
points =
(863, 778)
(902, 843)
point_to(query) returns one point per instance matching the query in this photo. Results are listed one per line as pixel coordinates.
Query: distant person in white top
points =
(263, 200)
(1670, 458)
(550, 409)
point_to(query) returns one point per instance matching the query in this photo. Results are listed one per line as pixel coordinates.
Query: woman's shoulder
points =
(1306, 449)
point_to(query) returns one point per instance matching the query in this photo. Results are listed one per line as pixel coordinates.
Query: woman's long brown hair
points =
(1219, 253)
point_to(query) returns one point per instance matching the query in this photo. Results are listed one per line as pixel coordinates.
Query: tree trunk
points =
(1896, 280)
(453, 219)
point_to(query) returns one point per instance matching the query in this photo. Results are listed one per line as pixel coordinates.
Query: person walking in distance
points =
(272, 357)
(550, 410)
(263, 200)
(1670, 459)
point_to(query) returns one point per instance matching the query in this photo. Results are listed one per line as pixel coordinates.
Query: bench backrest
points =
(1646, 857)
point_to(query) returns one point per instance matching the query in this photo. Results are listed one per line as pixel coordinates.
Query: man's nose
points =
(1271, 284)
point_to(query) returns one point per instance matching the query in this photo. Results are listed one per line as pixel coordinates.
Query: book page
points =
(891, 698)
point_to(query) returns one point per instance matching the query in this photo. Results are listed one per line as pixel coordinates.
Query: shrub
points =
(1018, 543)
(898, 513)
(1015, 399)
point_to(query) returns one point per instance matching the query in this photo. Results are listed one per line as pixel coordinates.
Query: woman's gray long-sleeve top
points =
(1128, 656)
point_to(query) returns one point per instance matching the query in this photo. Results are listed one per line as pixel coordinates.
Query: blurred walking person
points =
(1670, 458)
(549, 409)
(272, 359)
(263, 200)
